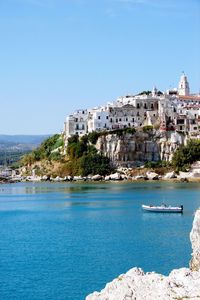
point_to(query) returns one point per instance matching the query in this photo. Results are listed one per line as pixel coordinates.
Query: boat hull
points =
(162, 209)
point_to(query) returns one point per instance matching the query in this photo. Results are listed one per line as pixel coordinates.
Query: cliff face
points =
(180, 284)
(129, 150)
(195, 241)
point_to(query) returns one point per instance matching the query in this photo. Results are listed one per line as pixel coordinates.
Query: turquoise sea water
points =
(63, 241)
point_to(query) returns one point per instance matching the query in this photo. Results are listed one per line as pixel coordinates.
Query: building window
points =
(138, 105)
(180, 121)
(83, 127)
(145, 106)
(110, 120)
(107, 117)
(116, 120)
(133, 120)
(151, 105)
(83, 112)
(99, 117)
(120, 120)
(77, 128)
(126, 119)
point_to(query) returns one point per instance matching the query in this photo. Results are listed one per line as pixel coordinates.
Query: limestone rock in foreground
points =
(181, 284)
(195, 241)
(135, 284)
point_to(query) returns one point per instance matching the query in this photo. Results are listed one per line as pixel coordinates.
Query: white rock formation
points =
(96, 177)
(170, 175)
(130, 150)
(181, 284)
(115, 176)
(152, 175)
(195, 241)
(140, 177)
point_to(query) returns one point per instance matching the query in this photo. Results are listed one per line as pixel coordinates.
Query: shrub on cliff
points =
(157, 164)
(186, 155)
(94, 163)
(44, 151)
(76, 148)
(83, 157)
(93, 137)
(147, 128)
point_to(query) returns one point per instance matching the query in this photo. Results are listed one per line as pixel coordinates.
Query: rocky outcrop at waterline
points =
(129, 150)
(181, 284)
(195, 241)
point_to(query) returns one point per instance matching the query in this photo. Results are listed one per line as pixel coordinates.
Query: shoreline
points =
(122, 181)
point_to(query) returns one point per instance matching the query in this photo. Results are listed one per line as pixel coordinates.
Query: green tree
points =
(93, 137)
(94, 163)
(147, 128)
(186, 155)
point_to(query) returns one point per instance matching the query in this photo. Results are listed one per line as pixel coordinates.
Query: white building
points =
(76, 123)
(174, 110)
(98, 119)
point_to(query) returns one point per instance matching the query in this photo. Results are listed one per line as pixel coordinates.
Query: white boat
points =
(163, 208)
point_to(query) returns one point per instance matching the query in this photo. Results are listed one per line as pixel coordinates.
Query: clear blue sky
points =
(60, 55)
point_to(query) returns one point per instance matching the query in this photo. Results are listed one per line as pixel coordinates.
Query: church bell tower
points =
(183, 87)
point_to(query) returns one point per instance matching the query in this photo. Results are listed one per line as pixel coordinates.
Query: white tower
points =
(154, 92)
(183, 87)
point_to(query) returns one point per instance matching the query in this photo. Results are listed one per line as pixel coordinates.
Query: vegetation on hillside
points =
(45, 151)
(186, 155)
(84, 159)
(157, 164)
(147, 128)
(81, 156)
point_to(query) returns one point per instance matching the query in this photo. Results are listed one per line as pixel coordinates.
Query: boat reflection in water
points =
(163, 208)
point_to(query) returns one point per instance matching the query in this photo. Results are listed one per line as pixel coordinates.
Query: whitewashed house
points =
(98, 119)
(76, 123)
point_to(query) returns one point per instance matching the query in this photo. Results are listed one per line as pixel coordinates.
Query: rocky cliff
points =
(180, 284)
(130, 150)
(195, 241)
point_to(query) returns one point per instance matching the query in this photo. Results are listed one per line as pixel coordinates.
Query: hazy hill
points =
(22, 139)
(12, 147)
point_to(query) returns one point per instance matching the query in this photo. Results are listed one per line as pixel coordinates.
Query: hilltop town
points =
(173, 110)
(145, 131)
